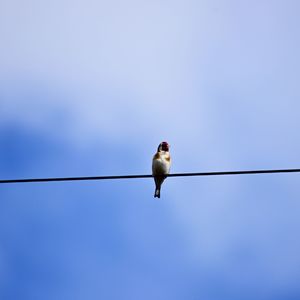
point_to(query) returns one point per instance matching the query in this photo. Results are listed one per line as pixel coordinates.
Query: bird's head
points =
(163, 146)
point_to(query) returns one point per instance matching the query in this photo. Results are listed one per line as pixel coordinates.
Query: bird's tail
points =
(158, 183)
(157, 193)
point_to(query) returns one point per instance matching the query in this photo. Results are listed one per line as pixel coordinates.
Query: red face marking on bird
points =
(164, 146)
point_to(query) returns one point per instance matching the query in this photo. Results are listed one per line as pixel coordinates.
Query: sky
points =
(91, 88)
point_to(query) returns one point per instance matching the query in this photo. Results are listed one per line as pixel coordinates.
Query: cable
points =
(148, 176)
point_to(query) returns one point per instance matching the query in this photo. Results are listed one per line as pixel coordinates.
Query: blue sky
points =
(91, 88)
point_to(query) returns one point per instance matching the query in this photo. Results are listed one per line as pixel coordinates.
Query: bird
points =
(161, 163)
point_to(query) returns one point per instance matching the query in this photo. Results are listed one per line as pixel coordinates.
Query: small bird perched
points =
(161, 166)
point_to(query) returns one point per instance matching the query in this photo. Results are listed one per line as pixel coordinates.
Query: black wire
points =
(148, 176)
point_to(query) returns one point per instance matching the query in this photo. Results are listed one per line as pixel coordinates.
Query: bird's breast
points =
(160, 166)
